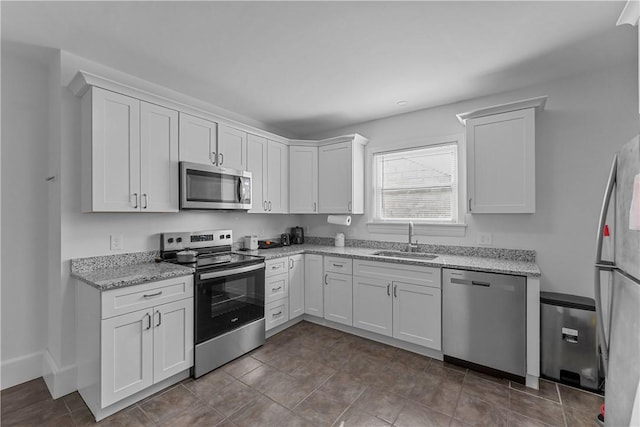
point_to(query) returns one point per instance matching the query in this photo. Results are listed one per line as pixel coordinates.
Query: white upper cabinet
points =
(501, 157)
(198, 140)
(268, 162)
(232, 147)
(631, 16)
(129, 154)
(303, 179)
(341, 177)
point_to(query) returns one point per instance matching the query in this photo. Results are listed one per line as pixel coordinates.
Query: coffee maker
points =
(297, 235)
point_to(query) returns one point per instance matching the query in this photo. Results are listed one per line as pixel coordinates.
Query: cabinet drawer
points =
(338, 265)
(423, 276)
(132, 298)
(276, 287)
(276, 266)
(276, 313)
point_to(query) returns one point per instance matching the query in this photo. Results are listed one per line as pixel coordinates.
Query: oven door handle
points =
(224, 273)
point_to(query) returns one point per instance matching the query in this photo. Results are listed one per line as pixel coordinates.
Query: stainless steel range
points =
(229, 295)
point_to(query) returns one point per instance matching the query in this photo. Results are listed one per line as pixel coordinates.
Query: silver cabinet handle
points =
(276, 289)
(314, 206)
(135, 197)
(146, 201)
(277, 314)
(152, 295)
(213, 157)
(469, 204)
(269, 205)
(388, 289)
(264, 205)
(325, 279)
(149, 320)
(290, 264)
(395, 291)
(338, 265)
(159, 318)
(274, 267)
(221, 157)
(349, 207)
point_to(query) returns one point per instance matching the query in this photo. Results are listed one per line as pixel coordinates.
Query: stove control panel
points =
(194, 240)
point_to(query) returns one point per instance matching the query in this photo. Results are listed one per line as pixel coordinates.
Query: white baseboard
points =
(60, 381)
(21, 369)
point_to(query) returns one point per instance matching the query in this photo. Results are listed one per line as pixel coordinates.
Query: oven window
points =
(211, 187)
(226, 303)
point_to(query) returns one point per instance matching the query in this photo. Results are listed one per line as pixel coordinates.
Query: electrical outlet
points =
(116, 242)
(485, 239)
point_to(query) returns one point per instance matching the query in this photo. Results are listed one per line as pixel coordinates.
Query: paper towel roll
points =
(339, 219)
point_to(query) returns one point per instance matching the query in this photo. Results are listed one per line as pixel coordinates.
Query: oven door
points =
(228, 299)
(212, 187)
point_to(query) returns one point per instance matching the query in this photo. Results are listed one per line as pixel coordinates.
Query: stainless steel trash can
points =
(568, 343)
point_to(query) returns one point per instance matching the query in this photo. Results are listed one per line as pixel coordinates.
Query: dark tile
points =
(231, 398)
(477, 412)
(417, 415)
(579, 417)
(411, 360)
(354, 417)
(442, 364)
(74, 401)
(132, 416)
(260, 412)
(37, 413)
(395, 381)
(22, 395)
(517, 420)
(267, 352)
(207, 384)
(313, 373)
(502, 381)
(537, 408)
(364, 368)
(226, 423)
(321, 408)
(343, 387)
(241, 366)
(547, 389)
(169, 404)
(199, 415)
(579, 399)
(458, 423)
(437, 392)
(489, 391)
(446, 370)
(381, 404)
(261, 377)
(282, 388)
(293, 420)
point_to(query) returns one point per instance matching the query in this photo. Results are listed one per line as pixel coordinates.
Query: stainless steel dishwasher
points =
(484, 322)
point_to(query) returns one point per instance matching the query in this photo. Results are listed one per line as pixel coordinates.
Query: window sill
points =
(449, 230)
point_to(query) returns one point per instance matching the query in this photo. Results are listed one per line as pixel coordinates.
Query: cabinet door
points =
(313, 285)
(232, 146)
(501, 163)
(277, 177)
(257, 164)
(372, 305)
(335, 178)
(115, 152)
(172, 338)
(417, 314)
(127, 355)
(198, 140)
(159, 158)
(303, 179)
(296, 285)
(338, 297)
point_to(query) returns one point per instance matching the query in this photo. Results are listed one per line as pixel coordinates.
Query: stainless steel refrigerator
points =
(619, 332)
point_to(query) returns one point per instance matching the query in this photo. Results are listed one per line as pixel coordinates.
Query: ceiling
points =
(308, 67)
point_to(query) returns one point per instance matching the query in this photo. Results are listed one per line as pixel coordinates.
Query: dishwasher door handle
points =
(470, 282)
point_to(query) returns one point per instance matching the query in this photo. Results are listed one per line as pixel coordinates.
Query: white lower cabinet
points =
(144, 339)
(296, 286)
(313, 285)
(401, 301)
(338, 290)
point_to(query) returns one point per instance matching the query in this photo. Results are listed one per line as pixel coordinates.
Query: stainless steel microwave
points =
(212, 187)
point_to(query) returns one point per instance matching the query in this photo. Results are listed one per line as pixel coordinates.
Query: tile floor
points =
(309, 375)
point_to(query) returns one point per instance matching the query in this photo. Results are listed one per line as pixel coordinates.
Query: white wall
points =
(587, 118)
(24, 214)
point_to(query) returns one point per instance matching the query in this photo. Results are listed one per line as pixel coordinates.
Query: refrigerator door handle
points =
(600, 264)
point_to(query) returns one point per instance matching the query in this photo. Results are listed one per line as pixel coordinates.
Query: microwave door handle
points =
(241, 192)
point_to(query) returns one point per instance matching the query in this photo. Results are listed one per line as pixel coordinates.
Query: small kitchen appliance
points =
(228, 296)
(339, 240)
(297, 234)
(251, 242)
(285, 239)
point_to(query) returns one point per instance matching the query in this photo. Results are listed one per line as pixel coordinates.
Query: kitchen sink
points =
(409, 255)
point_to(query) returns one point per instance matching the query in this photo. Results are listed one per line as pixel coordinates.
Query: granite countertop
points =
(464, 262)
(129, 275)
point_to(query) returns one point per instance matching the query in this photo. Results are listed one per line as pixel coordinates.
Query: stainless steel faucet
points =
(411, 247)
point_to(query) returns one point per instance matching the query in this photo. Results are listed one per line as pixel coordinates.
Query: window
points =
(417, 184)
